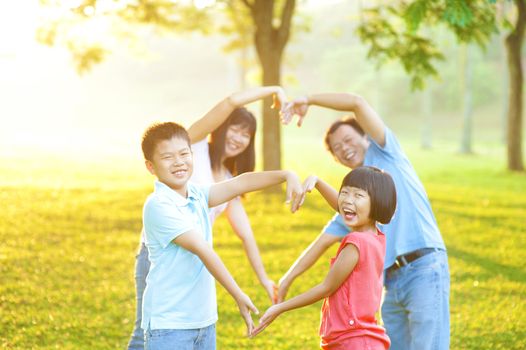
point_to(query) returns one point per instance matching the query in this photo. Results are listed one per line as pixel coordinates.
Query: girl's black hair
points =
(246, 160)
(380, 187)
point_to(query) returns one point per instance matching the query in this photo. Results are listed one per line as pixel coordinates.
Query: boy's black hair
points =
(158, 132)
(380, 187)
(246, 160)
(346, 120)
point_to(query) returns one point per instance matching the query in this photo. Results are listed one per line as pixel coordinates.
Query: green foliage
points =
(389, 40)
(69, 233)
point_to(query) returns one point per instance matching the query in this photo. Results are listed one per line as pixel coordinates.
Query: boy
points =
(179, 302)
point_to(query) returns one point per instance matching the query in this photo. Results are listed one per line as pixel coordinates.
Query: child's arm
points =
(240, 223)
(220, 112)
(247, 182)
(366, 116)
(326, 190)
(194, 243)
(343, 266)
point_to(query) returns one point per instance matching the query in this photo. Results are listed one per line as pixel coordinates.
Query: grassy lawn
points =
(69, 231)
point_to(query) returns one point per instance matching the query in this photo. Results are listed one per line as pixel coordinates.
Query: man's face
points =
(348, 146)
(172, 163)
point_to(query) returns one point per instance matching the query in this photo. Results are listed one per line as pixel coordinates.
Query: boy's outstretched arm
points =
(226, 190)
(194, 243)
(343, 266)
(366, 116)
(220, 112)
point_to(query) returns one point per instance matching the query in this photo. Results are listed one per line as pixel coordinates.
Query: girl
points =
(229, 152)
(353, 286)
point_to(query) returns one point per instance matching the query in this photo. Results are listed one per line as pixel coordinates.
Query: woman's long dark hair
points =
(246, 160)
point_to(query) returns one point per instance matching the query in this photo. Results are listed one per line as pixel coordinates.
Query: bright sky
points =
(46, 106)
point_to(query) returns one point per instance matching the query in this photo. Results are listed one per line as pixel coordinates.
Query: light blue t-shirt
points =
(180, 292)
(414, 225)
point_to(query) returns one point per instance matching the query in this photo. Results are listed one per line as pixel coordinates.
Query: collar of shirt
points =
(179, 200)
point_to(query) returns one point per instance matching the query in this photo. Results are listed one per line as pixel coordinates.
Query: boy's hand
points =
(269, 316)
(245, 307)
(294, 191)
(299, 106)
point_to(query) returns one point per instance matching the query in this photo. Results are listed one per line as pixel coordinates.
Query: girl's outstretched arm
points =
(220, 112)
(326, 190)
(343, 266)
(240, 223)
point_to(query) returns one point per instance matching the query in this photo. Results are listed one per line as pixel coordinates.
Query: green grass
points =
(69, 230)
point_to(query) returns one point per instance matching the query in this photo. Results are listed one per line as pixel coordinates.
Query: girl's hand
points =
(294, 191)
(245, 307)
(269, 316)
(299, 107)
(308, 185)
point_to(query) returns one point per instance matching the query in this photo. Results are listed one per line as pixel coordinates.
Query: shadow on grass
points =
(494, 268)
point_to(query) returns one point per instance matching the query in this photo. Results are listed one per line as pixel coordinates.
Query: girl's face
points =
(355, 208)
(237, 139)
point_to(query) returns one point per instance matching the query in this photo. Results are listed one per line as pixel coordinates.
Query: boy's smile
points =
(172, 163)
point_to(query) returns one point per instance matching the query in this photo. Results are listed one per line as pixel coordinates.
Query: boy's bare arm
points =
(220, 112)
(342, 267)
(193, 242)
(226, 190)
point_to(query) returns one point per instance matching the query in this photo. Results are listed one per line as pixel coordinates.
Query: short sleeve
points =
(353, 239)
(391, 148)
(336, 226)
(202, 173)
(164, 221)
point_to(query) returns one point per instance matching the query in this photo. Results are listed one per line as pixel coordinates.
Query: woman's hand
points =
(270, 288)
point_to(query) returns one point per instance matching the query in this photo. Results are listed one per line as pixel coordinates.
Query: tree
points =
(392, 33)
(265, 24)
(514, 42)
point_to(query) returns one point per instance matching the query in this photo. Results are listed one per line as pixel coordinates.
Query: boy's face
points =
(172, 163)
(348, 146)
(354, 205)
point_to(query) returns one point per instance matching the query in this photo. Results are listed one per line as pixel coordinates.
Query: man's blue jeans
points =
(142, 266)
(415, 310)
(181, 339)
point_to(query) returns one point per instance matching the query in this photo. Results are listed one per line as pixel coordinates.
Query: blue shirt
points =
(414, 225)
(180, 292)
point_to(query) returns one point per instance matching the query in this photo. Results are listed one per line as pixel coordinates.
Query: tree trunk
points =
(270, 42)
(271, 121)
(465, 144)
(513, 48)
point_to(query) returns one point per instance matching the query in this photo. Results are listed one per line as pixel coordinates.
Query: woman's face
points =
(237, 139)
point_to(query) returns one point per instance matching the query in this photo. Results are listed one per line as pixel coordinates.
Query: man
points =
(415, 310)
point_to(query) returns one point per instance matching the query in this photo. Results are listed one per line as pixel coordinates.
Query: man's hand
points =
(299, 106)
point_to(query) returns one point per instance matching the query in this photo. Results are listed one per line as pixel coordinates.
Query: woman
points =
(229, 152)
